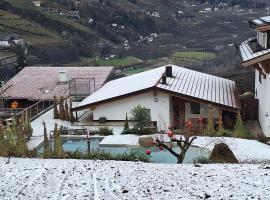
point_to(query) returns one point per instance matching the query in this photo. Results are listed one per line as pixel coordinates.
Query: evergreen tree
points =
(66, 111)
(126, 126)
(55, 109)
(46, 148)
(210, 129)
(71, 116)
(58, 148)
(21, 146)
(240, 130)
(61, 109)
(3, 145)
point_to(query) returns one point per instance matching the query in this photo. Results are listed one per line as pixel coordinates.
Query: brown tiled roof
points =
(37, 83)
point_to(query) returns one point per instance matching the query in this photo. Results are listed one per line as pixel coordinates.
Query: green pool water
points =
(156, 156)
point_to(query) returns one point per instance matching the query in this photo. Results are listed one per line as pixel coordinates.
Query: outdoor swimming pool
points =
(156, 156)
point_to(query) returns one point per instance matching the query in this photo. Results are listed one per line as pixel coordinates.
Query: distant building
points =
(255, 53)
(155, 14)
(171, 94)
(33, 84)
(7, 40)
(74, 14)
(36, 3)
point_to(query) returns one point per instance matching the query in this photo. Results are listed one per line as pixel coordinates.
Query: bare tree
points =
(183, 141)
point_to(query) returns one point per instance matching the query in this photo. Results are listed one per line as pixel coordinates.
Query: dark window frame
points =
(195, 108)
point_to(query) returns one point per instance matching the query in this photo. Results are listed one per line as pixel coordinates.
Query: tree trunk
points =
(181, 157)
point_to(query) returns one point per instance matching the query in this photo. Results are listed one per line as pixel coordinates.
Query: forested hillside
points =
(129, 32)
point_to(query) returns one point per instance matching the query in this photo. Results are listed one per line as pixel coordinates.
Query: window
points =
(260, 78)
(195, 108)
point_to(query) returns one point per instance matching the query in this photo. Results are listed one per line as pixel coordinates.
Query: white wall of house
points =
(159, 106)
(204, 111)
(262, 39)
(263, 94)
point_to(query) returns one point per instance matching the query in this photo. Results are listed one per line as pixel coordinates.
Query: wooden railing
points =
(36, 109)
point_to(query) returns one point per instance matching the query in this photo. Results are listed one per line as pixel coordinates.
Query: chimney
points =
(168, 71)
(164, 79)
(62, 76)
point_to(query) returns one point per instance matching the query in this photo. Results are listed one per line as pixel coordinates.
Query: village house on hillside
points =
(7, 40)
(34, 84)
(172, 94)
(255, 53)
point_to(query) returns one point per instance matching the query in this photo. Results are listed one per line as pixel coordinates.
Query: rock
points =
(222, 154)
(206, 196)
(145, 140)
(125, 191)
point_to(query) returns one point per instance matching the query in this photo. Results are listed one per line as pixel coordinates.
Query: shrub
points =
(21, 147)
(202, 160)
(222, 154)
(144, 131)
(3, 145)
(101, 155)
(105, 131)
(224, 133)
(46, 150)
(240, 130)
(11, 137)
(58, 148)
(140, 117)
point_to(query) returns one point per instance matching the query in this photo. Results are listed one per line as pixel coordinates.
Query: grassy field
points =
(135, 70)
(117, 62)
(194, 55)
(30, 31)
(28, 5)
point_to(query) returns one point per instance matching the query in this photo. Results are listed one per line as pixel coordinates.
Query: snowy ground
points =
(77, 179)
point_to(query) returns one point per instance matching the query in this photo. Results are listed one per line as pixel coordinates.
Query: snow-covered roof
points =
(184, 82)
(263, 21)
(247, 53)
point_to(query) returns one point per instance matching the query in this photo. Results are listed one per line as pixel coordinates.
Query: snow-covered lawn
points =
(79, 179)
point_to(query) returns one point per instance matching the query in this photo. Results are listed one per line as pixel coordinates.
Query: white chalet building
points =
(172, 94)
(255, 52)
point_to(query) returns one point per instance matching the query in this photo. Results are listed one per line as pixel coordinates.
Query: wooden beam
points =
(220, 124)
(155, 92)
(257, 67)
(266, 66)
(256, 60)
(263, 28)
